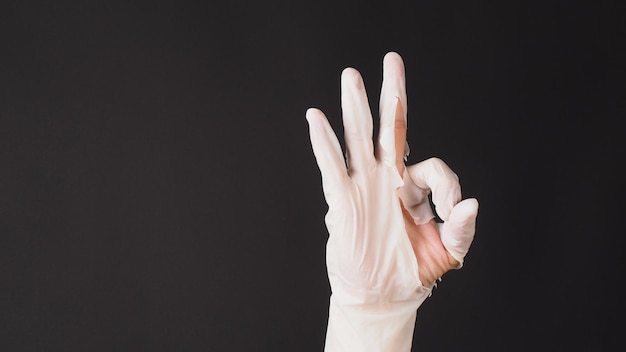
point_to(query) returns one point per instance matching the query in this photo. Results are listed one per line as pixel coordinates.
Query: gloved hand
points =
(384, 250)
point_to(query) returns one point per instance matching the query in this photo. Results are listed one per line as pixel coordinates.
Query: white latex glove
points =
(375, 244)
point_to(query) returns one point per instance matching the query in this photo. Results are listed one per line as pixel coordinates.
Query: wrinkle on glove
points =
(372, 266)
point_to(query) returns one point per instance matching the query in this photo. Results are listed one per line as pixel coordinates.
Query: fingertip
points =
(446, 201)
(352, 76)
(469, 205)
(314, 114)
(309, 112)
(474, 202)
(315, 118)
(346, 72)
(458, 232)
(465, 212)
(393, 60)
(392, 55)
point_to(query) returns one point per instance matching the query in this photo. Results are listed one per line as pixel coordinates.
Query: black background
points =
(158, 191)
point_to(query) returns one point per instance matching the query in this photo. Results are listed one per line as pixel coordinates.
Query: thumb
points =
(457, 233)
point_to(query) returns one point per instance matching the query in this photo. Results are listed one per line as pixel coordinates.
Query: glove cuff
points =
(380, 327)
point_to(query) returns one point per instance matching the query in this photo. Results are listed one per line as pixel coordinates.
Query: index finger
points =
(432, 175)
